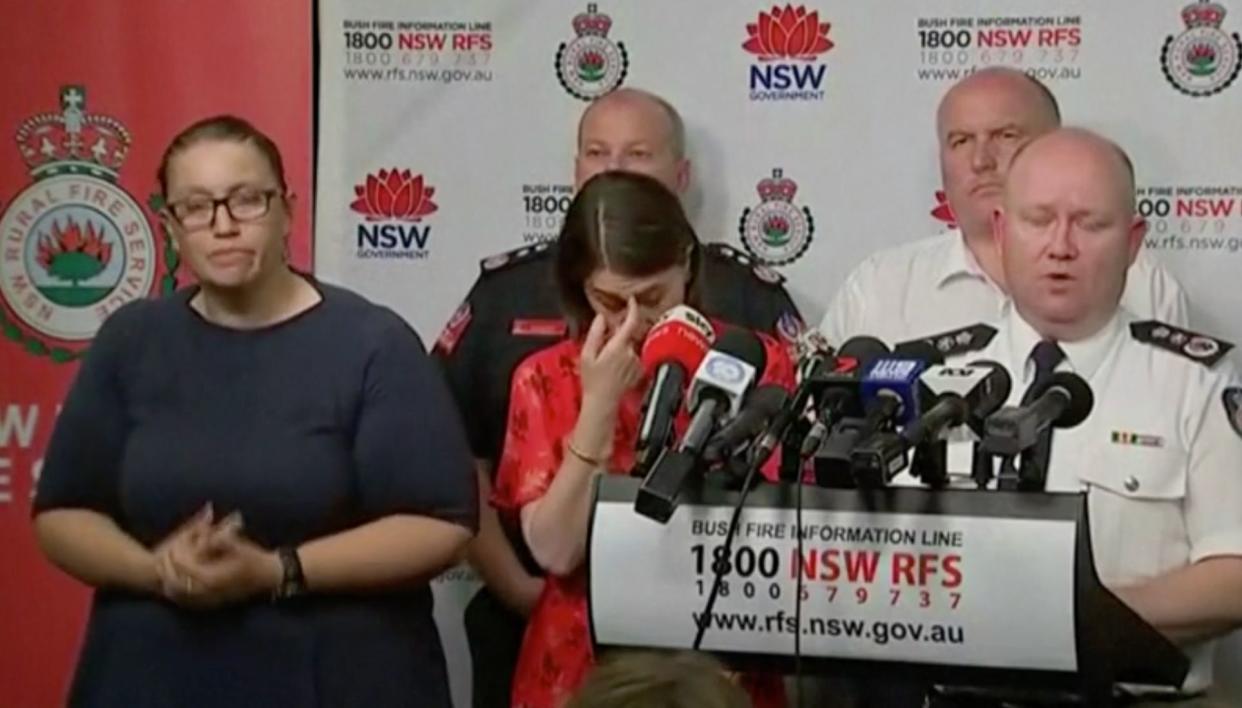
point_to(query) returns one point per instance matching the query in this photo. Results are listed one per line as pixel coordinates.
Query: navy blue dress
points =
(315, 425)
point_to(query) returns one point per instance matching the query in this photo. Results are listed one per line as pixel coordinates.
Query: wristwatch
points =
(292, 581)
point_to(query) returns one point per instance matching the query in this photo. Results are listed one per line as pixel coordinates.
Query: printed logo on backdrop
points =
(590, 65)
(544, 205)
(76, 246)
(776, 231)
(954, 47)
(1203, 60)
(943, 212)
(1194, 218)
(787, 42)
(417, 51)
(393, 203)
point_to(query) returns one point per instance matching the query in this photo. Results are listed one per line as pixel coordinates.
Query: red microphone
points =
(672, 351)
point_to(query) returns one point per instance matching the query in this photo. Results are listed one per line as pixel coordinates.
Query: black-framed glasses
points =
(245, 204)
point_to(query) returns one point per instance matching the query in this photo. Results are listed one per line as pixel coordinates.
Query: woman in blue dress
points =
(258, 474)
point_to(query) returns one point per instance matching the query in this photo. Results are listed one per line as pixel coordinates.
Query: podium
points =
(954, 587)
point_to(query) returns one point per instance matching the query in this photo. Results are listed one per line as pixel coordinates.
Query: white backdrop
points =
(461, 104)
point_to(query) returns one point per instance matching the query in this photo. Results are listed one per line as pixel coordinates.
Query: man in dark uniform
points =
(512, 311)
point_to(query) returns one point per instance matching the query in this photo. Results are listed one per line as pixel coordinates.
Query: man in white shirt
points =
(1160, 454)
(923, 288)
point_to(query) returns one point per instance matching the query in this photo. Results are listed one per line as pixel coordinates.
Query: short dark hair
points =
(222, 127)
(658, 680)
(628, 223)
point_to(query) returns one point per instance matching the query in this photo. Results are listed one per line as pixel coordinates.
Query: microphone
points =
(766, 402)
(1064, 401)
(675, 346)
(890, 394)
(720, 384)
(960, 395)
(812, 349)
(839, 393)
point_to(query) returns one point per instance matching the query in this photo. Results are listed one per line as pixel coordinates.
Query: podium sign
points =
(895, 584)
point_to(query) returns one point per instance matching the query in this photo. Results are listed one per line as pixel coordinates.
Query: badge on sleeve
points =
(790, 328)
(526, 327)
(454, 329)
(1192, 345)
(1232, 398)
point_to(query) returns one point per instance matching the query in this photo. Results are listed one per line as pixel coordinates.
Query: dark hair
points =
(656, 680)
(224, 127)
(632, 225)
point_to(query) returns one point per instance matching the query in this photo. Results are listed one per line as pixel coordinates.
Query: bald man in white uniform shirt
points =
(923, 288)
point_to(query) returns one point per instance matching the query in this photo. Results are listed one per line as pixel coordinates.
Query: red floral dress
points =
(546, 395)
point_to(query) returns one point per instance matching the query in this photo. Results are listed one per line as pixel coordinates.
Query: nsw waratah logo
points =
(394, 204)
(787, 42)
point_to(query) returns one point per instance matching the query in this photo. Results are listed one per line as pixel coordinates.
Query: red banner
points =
(93, 93)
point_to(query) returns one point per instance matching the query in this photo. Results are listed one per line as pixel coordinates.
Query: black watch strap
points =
(292, 581)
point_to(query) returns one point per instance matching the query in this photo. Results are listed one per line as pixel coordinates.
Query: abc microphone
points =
(720, 384)
(674, 348)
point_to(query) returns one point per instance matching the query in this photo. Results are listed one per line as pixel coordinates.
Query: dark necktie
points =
(1046, 355)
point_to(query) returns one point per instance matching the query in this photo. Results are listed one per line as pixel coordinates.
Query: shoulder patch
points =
(958, 341)
(453, 330)
(1232, 400)
(1192, 345)
(499, 261)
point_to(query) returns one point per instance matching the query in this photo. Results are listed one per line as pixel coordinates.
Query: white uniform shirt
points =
(933, 285)
(1158, 456)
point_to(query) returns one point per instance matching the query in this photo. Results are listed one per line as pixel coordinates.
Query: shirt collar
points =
(957, 261)
(1083, 357)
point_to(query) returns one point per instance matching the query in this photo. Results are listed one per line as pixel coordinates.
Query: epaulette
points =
(1192, 345)
(726, 252)
(508, 259)
(958, 341)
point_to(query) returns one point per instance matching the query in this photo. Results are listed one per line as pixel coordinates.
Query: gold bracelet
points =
(576, 453)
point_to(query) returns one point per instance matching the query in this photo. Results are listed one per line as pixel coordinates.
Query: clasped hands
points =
(206, 563)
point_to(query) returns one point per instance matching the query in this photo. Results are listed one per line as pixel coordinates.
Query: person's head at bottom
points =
(627, 254)
(658, 680)
(1068, 232)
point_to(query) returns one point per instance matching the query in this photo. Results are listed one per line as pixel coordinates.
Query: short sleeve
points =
(844, 317)
(410, 453)
(1213, 505)
(532, 451)
(1152, 292)
(82, 467)
(460, 351)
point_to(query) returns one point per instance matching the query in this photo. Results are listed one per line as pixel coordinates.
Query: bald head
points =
(639, 101)
(635, 131)
(1067, 231)
(1078, 149)
(1027, 94)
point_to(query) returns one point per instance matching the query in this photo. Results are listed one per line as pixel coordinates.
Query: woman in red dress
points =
(626, 254)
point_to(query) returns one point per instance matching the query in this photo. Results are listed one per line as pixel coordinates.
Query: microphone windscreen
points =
(1074, 388)
(681, 335)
